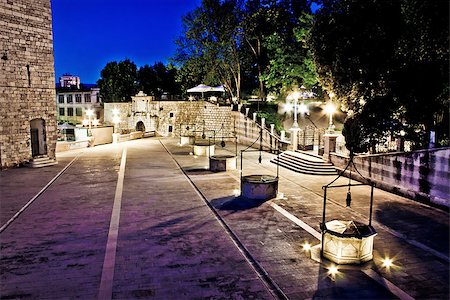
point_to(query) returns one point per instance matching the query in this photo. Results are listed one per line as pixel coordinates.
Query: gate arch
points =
(140, 126)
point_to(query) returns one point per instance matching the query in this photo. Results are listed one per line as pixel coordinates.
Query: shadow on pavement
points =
(349, 283)
(416, 224)
(235, 204)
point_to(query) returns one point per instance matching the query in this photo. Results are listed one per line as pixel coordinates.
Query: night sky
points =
(89, 33)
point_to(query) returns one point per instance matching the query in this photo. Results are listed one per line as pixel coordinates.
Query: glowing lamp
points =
(89, 112)
(303, 108)
(387, 262)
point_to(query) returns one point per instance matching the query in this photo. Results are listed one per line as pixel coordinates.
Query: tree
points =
(118, 81)
(397, 51)
(158, 79)
(211, 39)
(274, 31)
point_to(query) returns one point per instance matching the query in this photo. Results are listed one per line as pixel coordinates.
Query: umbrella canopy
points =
(217, 89)
(201, 88)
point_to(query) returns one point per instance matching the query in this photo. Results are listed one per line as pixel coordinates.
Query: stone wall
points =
(421, 175)
(27, 86)
(163, 116)
(199, 114)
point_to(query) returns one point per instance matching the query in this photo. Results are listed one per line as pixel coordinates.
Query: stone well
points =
(347, 242)
(187, 140)
(204, 148)
(259, 187)
(219, 163)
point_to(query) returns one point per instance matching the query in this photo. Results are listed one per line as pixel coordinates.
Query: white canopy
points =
(217, 89)
(201, 88)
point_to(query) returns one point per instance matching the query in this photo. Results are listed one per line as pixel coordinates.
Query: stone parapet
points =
(422, 175)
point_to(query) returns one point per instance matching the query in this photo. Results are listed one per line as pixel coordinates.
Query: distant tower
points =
(27, 86)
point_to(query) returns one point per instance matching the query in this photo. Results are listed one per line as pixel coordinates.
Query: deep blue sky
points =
(89, 33)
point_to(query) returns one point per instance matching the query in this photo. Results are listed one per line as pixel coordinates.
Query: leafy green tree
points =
(397, 51)
(275, 33)
(210, 38)
(118, 81)
(158, 79)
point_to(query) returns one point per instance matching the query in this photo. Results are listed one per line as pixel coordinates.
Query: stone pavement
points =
(170, 245)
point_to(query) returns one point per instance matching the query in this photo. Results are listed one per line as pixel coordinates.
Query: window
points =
(171, 115)
(78, 98)
(69, 99)
(78, 111)
(70, 111)
(61, 111)
(170, 128)
(60, 98)
(87, 98)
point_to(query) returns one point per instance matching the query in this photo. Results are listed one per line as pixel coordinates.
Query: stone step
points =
(42, 161)
(305, 160)
(40, 158)
(302, 163)
(301, 169)
(309, 153)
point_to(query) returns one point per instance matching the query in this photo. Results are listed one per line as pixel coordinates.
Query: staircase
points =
(305, 163)
(41, 161)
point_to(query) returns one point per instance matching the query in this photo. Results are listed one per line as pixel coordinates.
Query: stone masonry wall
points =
(195, 112)
(422, 175)
(27, 87)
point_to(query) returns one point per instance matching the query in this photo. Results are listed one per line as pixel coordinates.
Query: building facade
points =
(68, 80)
(27, 84)
(73, 103)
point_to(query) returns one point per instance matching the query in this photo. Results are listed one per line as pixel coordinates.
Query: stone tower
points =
(28, 125)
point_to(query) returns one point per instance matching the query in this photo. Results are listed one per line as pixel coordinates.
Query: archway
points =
(140, 126)
(38, 137)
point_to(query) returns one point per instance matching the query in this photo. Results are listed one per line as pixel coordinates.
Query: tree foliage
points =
(255, 44)
(158, 79)
(121, 80)
(210, 44)
(386, 59)
(117, 81)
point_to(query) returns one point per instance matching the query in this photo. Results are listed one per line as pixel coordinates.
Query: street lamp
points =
(116, 120)
(295, 95)
(303, 108)
(89, 114)
(330, 109)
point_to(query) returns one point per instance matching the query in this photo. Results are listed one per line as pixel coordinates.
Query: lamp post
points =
(89, 114)
(330, 109)
(295, 95)
(294, 129)
(116, 121)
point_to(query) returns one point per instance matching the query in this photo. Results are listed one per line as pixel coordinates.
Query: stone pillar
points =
(263, 123)
(239, 107)
(246, 111)
(294, 138)
(115, 138)
(329, 145)
(272, 129)
(283, 135)
(254, 117)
